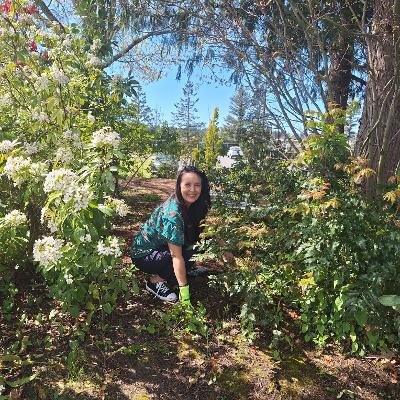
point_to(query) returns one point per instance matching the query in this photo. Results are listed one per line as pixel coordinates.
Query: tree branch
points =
(134, 43)
(358, 79)
(47, 12)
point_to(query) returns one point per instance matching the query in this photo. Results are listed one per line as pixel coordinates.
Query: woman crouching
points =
(164, 245)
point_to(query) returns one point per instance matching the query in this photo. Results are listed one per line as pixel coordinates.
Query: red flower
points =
(30, 10)
(5, 7)
(32, 46)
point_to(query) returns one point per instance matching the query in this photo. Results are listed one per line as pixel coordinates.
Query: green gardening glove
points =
(184, 294)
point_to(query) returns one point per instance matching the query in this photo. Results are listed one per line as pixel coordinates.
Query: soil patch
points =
(134, 355)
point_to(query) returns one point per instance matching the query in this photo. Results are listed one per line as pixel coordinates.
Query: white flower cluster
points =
(47, 34)
(47, 250)
(7, 145)
(69, 279)
(64, 155)
(31, 148)
(92, 60)
(110, 248)
(82, 197)
(120, 207)
(60, 179)
(95, 45)
(66, 181)
(25, 19)
(6, 31)
(6, 100)
(20, 169)
(40, 116)
(13, 219)
(86, 238)
(72, 138)
(59, 76)
(42, 82)
(105, 137)
(37, 170)
(17, 169)
(67, 42)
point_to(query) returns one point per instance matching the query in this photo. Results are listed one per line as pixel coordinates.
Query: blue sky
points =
(161, 95)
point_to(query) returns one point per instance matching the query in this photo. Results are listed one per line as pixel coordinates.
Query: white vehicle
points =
(234, 152)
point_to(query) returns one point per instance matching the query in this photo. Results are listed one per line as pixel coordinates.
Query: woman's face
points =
(190, 187)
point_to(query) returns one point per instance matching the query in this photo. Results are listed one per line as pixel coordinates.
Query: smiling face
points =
(190, 187)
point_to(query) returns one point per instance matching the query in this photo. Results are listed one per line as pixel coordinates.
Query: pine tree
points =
(144, 112)
(235, 123)
(186, 118)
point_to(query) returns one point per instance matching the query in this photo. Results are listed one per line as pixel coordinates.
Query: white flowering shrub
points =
(61, 124)
(13, 240)
(13, 235)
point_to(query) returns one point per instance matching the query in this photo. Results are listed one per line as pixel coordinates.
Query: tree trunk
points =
(378, 138)
(341, 55)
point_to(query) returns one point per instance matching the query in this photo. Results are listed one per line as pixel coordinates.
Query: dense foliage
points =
(63, 123)
(297, 238)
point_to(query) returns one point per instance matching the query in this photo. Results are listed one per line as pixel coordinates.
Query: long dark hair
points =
(199, 209)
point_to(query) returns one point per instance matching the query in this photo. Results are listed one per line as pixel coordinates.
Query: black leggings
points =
(159, 262)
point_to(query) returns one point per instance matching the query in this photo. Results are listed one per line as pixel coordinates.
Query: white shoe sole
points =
(150, 290)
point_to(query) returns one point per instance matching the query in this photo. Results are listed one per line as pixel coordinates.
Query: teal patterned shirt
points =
(165, 225)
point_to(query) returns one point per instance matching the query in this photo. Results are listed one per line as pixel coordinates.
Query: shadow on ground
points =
(134, 356)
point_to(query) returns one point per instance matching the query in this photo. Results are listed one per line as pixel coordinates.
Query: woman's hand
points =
(184, 294)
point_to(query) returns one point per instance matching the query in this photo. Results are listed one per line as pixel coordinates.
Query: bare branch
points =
(47, 12)
(134, 43)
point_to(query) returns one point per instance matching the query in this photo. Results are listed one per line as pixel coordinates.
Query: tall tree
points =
(302, 52)
(186, 118)
(235, 123)
(143, 111)
(379, 134)
(212, 142)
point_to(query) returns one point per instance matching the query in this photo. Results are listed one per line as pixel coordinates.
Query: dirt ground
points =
(137, 358)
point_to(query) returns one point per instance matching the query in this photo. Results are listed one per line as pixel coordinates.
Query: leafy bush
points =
(64, 122)
(308, 241)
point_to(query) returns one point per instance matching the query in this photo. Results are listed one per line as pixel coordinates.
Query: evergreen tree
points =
(212, 142)
(235, 123)
(186, 118)
(144, 112)
(257, 110)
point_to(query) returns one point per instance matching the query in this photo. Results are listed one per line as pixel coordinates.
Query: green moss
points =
(235, 383)
(295, 375)
(140, 396)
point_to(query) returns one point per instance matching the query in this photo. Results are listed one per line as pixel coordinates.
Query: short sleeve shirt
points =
(165, 225)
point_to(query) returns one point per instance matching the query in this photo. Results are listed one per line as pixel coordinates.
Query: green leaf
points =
(151, 329)
(304, 328)
(22, 381)
(372, 339)
(106, 210)
(339, 303)
(390, 300)
(9, 358)
(107, 308)
(361, 317)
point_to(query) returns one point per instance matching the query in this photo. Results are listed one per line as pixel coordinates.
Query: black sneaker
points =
(162, 291)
